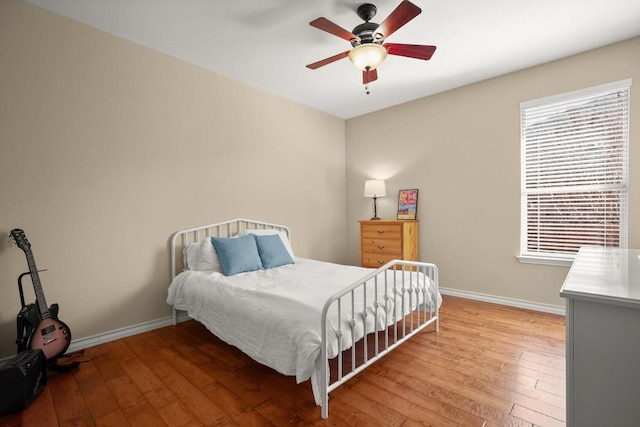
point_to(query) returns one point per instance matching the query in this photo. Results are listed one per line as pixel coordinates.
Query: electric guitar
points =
(50, 335)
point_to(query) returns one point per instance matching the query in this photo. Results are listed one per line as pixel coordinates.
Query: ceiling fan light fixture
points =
(368, 56)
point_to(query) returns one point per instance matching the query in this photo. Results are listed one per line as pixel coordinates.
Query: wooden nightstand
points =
(387, 239)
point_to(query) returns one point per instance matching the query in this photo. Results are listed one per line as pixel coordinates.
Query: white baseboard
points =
(128, 331)
(82, 343)
(182, 316)
(546, 308)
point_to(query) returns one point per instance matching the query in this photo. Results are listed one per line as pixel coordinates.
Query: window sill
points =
(545, 260)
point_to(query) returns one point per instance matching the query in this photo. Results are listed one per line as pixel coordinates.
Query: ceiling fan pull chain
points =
(366, 89)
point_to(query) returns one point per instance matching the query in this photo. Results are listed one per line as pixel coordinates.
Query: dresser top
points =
(605, 275)
(386, 221)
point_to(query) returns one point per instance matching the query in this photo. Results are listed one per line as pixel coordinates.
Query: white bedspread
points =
(274, 315)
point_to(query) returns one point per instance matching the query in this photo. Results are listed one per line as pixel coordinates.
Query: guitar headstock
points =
(20, 239)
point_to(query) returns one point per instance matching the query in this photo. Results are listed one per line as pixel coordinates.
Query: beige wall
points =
(461, 149)
(106, 148)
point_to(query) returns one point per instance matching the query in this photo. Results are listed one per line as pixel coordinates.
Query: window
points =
(574, 153)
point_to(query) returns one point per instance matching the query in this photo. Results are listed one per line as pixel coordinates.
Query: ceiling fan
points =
(367, 39)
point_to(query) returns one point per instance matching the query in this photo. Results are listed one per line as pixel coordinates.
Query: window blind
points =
(574, 171)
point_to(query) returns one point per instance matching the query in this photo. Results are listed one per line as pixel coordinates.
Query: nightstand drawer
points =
(375, 260)
(382, 246)
(390, 231)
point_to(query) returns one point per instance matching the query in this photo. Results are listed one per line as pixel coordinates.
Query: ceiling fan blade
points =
(325, 25)
(417, 51)
(329, 60)
(402, 14)
(369, 76)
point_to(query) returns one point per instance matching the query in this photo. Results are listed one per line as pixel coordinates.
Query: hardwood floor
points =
(489, 365)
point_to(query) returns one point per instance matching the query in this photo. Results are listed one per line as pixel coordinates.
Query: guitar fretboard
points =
(37, 286)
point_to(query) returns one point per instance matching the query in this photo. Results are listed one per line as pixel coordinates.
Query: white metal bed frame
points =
(422, 312)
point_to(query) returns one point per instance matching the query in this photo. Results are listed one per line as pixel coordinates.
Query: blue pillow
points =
(272, 251)
(237, 255)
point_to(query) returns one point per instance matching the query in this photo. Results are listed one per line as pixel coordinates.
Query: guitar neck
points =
(37, 287)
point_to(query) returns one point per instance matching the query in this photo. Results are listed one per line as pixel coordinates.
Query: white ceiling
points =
(267, 43)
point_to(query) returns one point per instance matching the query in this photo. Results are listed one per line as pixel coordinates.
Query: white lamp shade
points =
(368, 56)
(374, 188)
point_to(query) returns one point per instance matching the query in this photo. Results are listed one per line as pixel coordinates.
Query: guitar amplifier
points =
(22, 378)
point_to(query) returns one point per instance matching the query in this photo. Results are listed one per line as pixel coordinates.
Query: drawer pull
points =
(380, 246)
(380, 231)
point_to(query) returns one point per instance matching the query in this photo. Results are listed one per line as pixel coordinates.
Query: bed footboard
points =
(403, 296)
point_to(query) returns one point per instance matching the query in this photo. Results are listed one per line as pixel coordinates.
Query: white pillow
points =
(208, 257)
(201, 256)
(190, 255)
(268, 231)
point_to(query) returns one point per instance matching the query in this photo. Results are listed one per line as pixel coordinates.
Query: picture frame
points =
(407, 204)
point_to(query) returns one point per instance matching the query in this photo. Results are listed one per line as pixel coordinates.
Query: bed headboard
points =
(228, 228)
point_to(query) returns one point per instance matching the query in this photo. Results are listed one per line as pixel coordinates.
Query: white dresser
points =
(603, 338)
